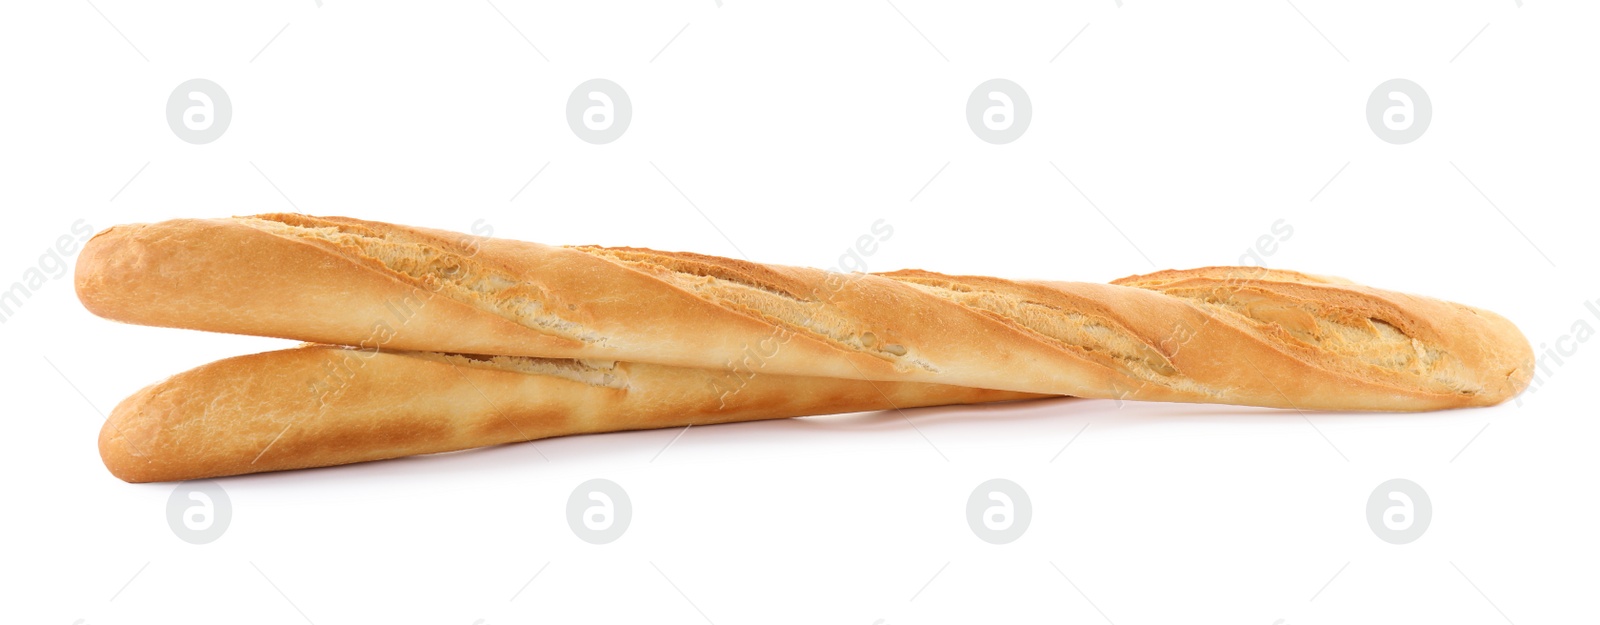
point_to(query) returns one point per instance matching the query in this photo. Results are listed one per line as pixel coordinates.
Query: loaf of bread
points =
(1217, 335)
(317, 406)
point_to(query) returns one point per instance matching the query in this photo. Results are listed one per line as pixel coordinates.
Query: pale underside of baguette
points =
(321, 406)
(1278, 339)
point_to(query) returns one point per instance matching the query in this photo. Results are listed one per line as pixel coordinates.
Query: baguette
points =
(1215, 335)
(317, 406)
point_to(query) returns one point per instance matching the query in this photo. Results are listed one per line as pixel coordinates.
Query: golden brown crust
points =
(223, 276)
(1217, 335)
(1392, 339)
(316, 406)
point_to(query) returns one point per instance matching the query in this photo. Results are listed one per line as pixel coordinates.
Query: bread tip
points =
(125, 460)
(115, 453)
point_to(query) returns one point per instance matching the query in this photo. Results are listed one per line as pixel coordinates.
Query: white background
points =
(791, 127)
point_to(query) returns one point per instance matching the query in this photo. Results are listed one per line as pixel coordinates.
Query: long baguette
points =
(317, 406)
(1216, 335)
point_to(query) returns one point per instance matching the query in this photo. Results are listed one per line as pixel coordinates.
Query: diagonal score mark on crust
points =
(1351, 341)
(1095, 338)
(1068, 328)
(1314, 318)
(754, 290)
(430, 266)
